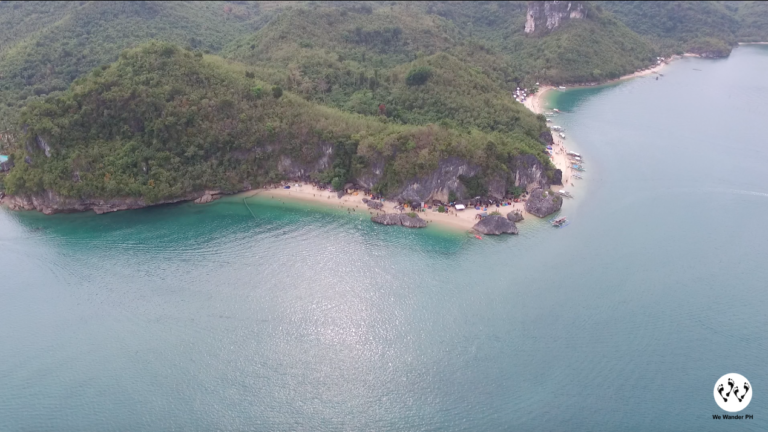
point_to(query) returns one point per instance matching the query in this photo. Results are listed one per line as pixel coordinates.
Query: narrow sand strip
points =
(462, 220)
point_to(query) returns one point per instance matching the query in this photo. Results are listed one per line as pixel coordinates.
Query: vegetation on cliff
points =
(164, 121)
(334, 89)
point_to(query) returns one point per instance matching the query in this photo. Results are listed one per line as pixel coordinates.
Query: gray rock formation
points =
(318, 162)
(400, 219)
(543, 202)
(6, 166)
(547, 15)
(557, 177)
(439, 183)
(525, 171)
(495, 225)
(387, 219)
(515, 216)
(376, 205)
(529, 173)
(412, 221)
(208, 196)
(50, 203)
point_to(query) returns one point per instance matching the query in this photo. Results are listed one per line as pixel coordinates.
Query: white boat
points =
(562, 135)
(565, 193)
(561, 88)
(571, 153)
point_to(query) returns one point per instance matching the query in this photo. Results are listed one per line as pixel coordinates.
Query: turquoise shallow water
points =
(305, 318)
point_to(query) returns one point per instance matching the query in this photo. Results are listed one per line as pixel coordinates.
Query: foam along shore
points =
(460, 220)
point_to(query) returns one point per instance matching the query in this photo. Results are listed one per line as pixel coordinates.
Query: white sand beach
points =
(462, 220)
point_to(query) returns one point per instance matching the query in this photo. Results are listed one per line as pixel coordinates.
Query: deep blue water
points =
(304, 318)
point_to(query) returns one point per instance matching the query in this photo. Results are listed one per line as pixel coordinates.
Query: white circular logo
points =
(733, 392)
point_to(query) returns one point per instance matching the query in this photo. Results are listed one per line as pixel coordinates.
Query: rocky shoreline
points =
(51, 203)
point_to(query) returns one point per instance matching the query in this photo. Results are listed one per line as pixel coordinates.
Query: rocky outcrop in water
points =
(515, 216)
(400, 219)
(543, 202)
(545, 16)
(495, 225)
(208, 196)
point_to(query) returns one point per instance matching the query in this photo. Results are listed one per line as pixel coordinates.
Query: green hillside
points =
(45, 46)
(675, 27)
(163, 121)
(753, 16)
(595, 48)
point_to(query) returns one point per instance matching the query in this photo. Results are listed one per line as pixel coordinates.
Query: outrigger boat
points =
(578, 168)
(565, 193)
(560, 222)
(577, 176)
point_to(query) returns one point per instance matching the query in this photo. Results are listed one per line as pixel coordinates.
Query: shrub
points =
(277, 92)
(411, 214)
(441, 209)
(258, 92)
(336, 184)
(418, 75)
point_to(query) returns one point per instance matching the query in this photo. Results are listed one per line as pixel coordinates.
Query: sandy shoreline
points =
(458, 220)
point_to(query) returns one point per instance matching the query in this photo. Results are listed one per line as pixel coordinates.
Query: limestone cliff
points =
(545, 16)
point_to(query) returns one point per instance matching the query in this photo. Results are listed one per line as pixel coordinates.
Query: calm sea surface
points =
(201, 318)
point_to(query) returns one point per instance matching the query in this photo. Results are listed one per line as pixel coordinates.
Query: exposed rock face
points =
(205, 199)
(495, 225)
(293, 169)
(526, 171)
(543, 202)
(43, 145)
(6, 166)
(546, 138)
(439, 183)
(50, 203)
(515, 216)
(547, 15)
(400, 219)
(412, 222)
(376, 205)
(557, 177)
(529, 173)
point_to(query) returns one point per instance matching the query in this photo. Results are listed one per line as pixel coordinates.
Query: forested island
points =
(116, 105)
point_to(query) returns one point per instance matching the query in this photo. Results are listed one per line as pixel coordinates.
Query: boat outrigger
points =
(560, 222)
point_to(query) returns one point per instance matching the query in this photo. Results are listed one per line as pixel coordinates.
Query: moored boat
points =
(559, 222)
